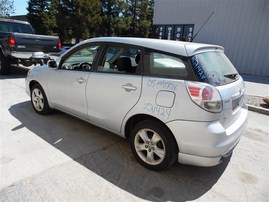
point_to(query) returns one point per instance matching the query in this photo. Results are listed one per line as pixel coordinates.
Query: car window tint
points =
(121, 60)
(25, 29)
(81, 59)
(166, 65)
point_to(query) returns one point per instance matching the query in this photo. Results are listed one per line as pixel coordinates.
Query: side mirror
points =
(52, 64)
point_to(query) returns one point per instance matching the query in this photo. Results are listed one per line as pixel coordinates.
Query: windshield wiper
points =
(231, 76)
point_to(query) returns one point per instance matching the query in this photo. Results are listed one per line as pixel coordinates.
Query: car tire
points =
(153, 145)
(5, 65)
(39, 100)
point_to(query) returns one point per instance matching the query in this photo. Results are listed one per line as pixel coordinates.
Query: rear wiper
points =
(231, 76)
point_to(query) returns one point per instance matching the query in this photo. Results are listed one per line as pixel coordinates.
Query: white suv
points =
(172, 100)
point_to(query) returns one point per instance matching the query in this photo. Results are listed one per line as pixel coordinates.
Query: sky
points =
(20, 7)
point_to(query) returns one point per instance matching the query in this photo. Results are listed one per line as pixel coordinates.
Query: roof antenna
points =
(203, 25)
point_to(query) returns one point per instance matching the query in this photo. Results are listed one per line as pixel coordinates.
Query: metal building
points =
(240, 26)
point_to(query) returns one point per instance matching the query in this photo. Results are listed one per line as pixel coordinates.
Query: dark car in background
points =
(20, 45)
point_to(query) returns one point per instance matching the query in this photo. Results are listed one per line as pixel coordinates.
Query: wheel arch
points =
(134, 120)
(32, 83)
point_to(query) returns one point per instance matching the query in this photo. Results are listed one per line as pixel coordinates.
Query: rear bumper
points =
(205, 143)
(29, 55)
(203, 160)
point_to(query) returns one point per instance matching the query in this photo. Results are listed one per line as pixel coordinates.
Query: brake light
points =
(59, 44)
(11, 41)
(207, 93)
(205, 96)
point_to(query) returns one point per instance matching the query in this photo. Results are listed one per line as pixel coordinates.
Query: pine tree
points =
(114, 20)
(142, 15)
(127, 17)
(87, 19)
(64, 18)
(80, 19)
(41, 14)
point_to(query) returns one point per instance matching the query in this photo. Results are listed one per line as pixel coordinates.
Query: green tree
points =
(142, 15)
(80, 19)
(42, 16)
(87, 20)
(64, 18)
(50, 22)
(6, 8)
(114, 18)
(127, 17)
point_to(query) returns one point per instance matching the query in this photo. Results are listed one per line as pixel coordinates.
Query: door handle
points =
(81, 80)
(129, 87)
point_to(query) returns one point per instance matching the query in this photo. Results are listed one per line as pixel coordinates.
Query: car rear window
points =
(214, 68)
(15, 27)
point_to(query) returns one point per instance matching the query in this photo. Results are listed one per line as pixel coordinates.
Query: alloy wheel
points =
(149, 146)
(38, 99)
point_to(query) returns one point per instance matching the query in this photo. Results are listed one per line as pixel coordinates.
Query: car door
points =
(67, 84)
(115, 87)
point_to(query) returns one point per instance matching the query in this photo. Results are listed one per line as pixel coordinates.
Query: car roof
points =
(175, 47)
(13, 20)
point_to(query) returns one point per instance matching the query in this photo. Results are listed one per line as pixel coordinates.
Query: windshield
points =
(214, 68)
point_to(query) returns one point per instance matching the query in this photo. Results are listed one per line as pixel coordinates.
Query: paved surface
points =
(256, 89)
(256, 85)
(61, 158)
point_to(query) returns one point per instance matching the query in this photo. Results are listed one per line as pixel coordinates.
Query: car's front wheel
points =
(153, 145)
(39, 100)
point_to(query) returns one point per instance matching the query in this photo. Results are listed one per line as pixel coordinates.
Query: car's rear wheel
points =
(153, 145)
(5, 65)
(39, 100)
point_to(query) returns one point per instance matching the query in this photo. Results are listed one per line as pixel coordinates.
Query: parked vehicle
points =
(20, 45)
(64, 49)
(173, 100)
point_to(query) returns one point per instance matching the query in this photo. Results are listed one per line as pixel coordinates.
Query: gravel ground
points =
(256, 101)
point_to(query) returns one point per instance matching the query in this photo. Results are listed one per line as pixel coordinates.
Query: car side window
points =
(121, 60)
(165, 64)
(81, 60)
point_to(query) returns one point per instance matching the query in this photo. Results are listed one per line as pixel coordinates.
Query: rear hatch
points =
(214, 68)
(36, 43)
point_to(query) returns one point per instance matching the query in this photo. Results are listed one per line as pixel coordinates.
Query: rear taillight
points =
(11, 41)
(205, 96)
(59, 44)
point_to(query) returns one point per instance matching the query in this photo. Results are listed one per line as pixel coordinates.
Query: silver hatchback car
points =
(173, 100)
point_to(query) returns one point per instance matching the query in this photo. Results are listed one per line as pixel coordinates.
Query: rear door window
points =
(214, 68)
